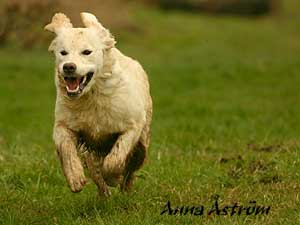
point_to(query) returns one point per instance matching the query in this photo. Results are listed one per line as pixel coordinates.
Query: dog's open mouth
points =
(75, 85)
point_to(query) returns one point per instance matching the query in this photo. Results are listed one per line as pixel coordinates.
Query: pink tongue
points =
(73, 84)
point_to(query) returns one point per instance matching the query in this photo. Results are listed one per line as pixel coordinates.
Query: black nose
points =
(69, 68)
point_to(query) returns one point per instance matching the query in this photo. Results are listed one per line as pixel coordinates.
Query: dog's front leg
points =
(94, 164)
(115, 162)
(65, 142)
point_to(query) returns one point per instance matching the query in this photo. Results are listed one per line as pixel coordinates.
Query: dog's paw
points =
(75, 177)
(104, 192)
(76, 184)
(113, 169)
(113, 164)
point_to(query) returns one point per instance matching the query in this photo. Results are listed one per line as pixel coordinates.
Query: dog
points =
(103, 106)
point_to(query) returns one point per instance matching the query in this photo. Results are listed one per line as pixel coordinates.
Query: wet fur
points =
(109, 124)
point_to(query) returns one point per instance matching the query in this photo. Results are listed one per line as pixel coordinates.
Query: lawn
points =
(226, 122)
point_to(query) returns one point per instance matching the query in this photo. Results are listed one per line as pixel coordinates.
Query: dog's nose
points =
(69, 68)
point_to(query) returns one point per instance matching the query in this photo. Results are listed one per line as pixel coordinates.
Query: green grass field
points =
(226, 122)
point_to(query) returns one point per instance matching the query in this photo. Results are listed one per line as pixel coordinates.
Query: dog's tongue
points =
(72, 83)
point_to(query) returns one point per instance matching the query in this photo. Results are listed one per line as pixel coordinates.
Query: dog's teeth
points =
(84, 79)
(72, 91)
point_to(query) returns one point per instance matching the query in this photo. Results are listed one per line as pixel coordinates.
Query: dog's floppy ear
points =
(52, 46)
(59, 21)
(90, 21)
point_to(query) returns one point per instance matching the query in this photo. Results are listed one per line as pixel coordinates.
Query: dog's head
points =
(79, 52)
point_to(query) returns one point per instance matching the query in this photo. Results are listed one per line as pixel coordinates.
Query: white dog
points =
(103, 105)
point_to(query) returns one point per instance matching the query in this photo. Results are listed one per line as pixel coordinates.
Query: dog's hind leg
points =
(138, 155)
(128, 153)
(115, 162)
(134, 162)
(94, 164)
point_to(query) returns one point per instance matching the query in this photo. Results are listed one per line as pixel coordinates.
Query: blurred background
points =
(22, 20)
(212, 50)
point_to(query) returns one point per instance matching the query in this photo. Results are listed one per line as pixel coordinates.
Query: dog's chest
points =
(98, 120)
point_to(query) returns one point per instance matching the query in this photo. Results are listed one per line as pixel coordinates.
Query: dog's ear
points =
(52, 46)
(90, 21)
(59, 21)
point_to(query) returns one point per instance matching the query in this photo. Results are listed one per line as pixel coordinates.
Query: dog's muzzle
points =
(75, 84)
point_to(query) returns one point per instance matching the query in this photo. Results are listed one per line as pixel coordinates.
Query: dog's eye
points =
(86, 52)
(63, 52)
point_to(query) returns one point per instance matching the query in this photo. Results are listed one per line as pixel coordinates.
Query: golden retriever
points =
(103, 106)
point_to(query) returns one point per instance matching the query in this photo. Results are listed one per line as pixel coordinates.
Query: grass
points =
(226, 122)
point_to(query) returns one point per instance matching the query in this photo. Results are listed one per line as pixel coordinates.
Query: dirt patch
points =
(228, 159)
(258, 166)
(257, 170)
(264, 148)
(270, 179)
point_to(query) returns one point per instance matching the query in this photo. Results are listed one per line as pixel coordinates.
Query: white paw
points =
(113, 169)
(75, 177)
